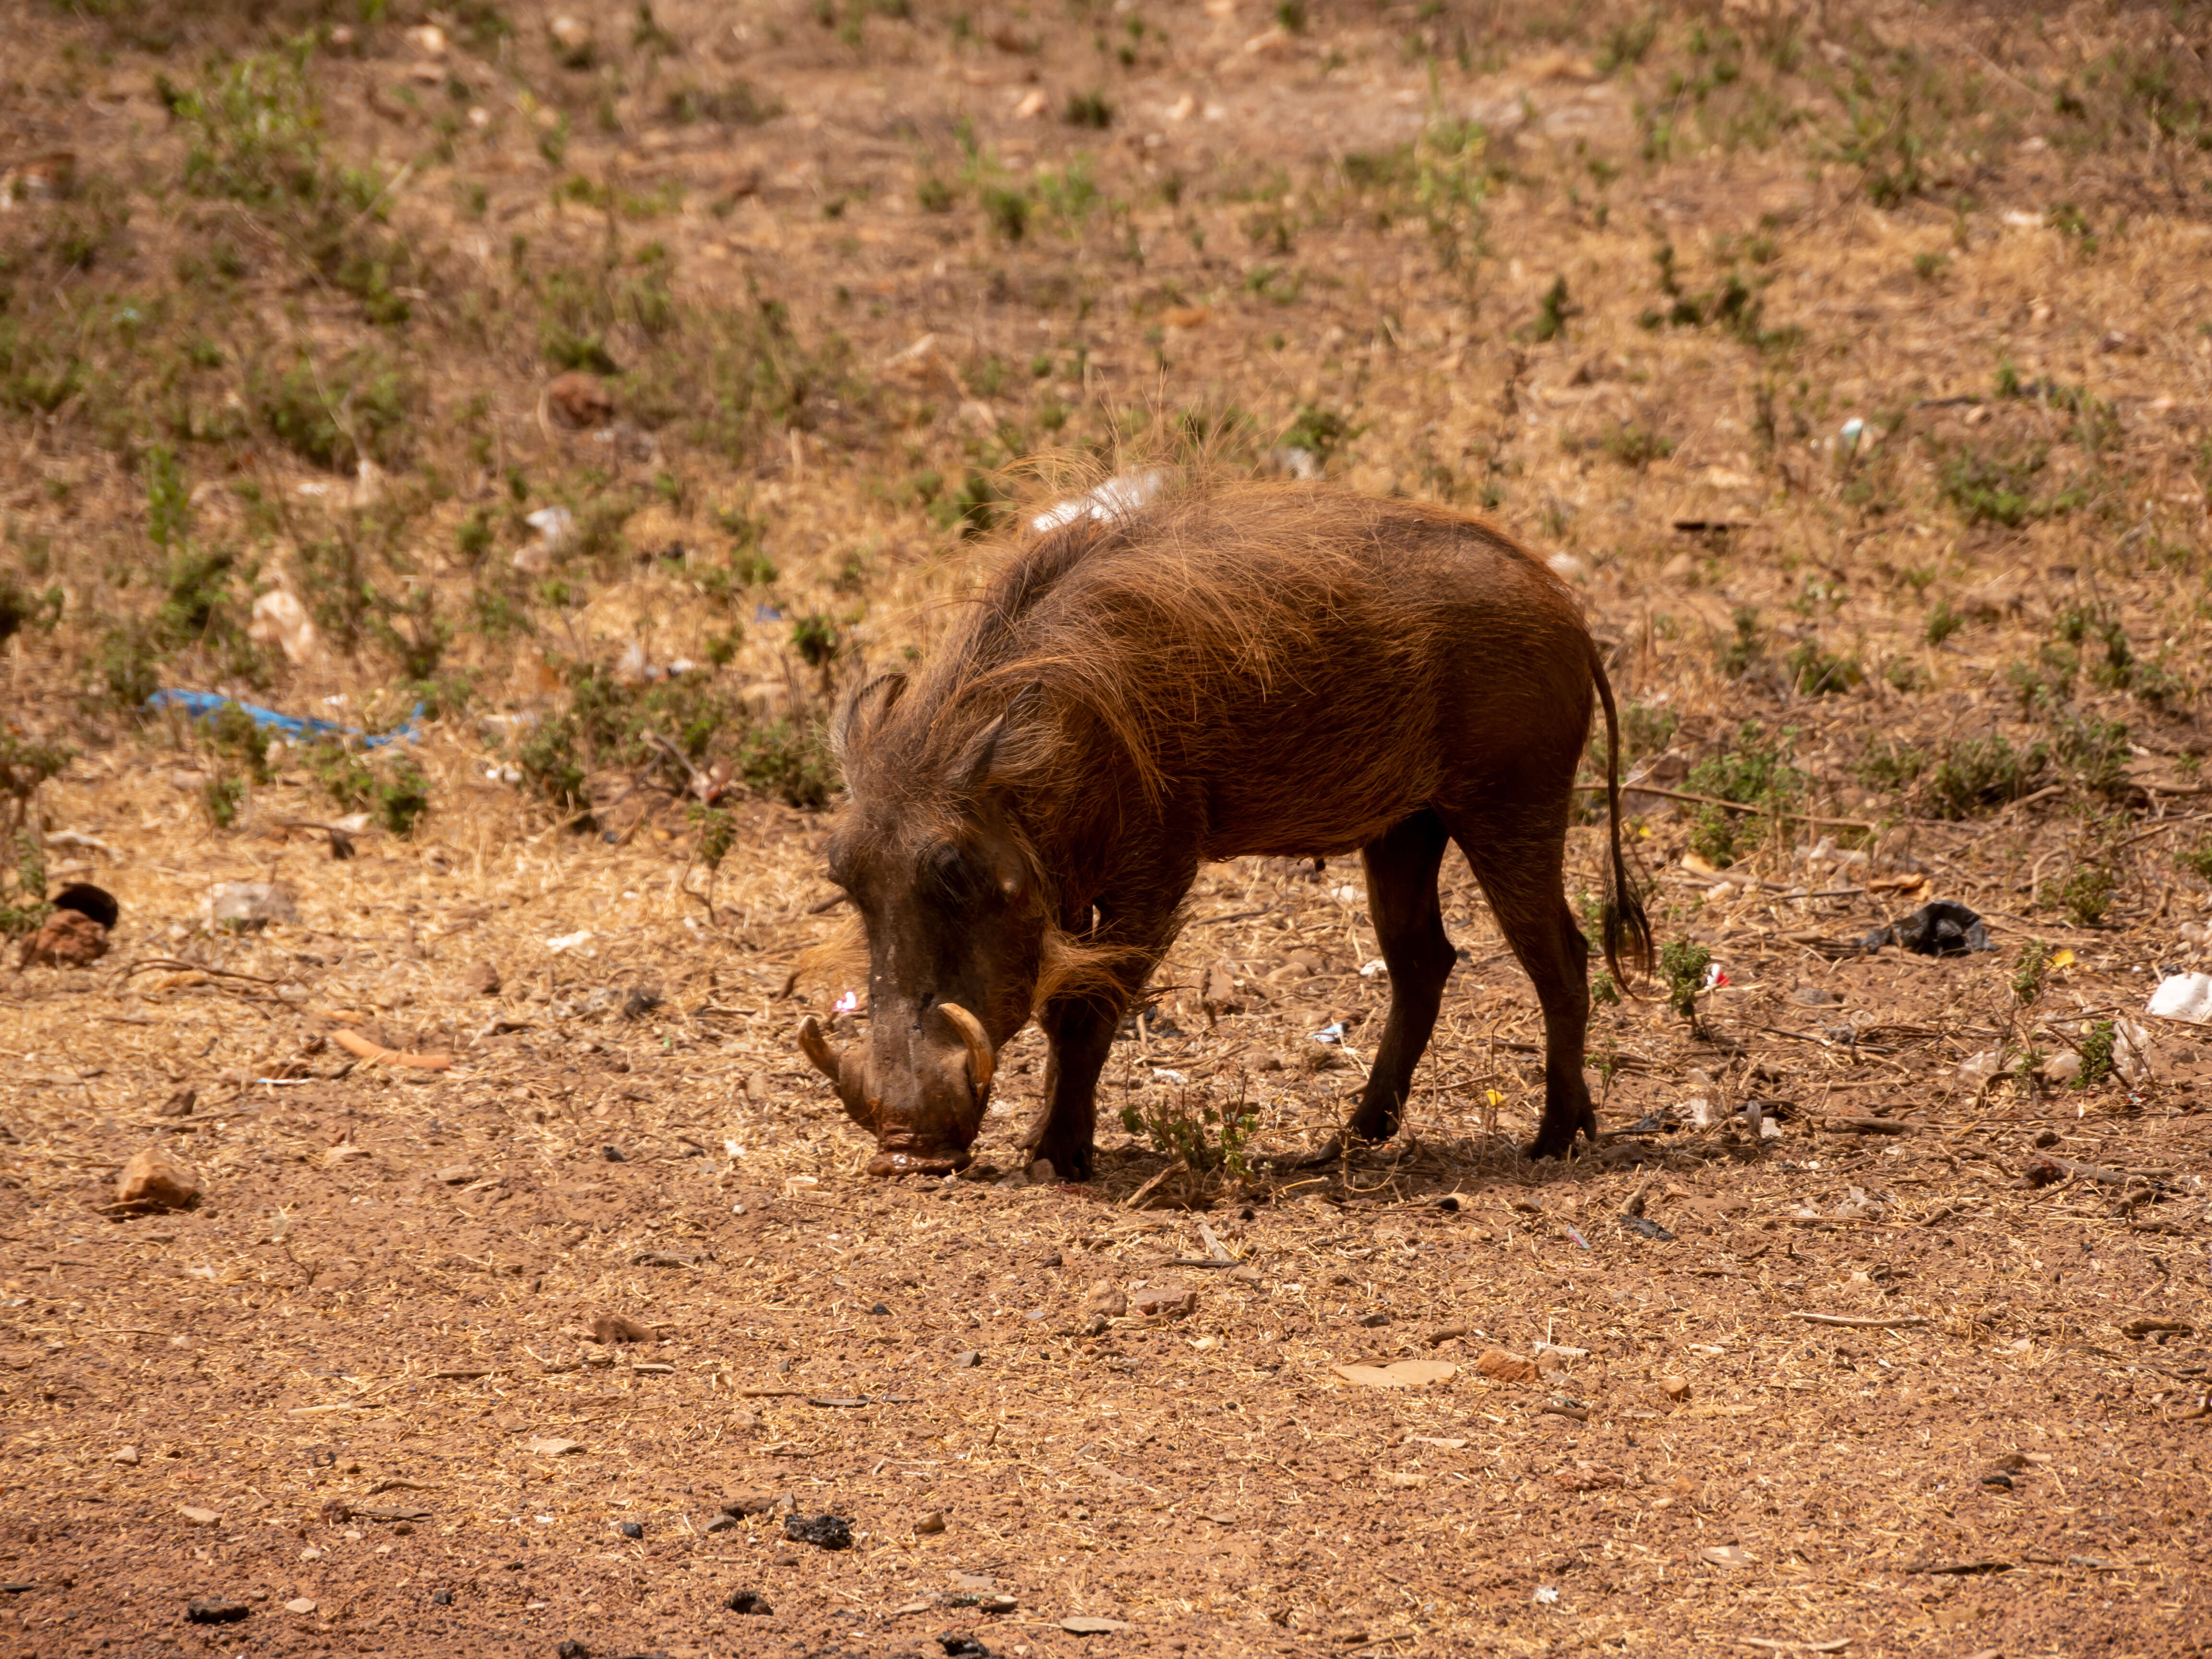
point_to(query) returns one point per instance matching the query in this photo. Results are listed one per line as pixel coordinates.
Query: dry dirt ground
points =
(541, 1352)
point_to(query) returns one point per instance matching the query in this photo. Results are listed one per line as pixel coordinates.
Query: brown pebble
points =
(70, 938)
(153, 1180)
(1106, 1298)
(1163, 1302)
(621, 1327)
(178, 1104)
(1675, 1387)
(932, 1522)
(578, 399)
(1500, 1366)
(483, 980)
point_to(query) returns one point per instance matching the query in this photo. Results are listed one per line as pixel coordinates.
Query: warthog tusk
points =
(852, 1091)
(981, 1062)
(816, 1048)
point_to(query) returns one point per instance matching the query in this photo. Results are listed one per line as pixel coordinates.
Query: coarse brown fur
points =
(1233, 670)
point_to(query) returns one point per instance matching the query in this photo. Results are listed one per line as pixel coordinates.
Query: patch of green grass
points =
(1638, 446)
(1204, 1137)
(737, 104)
(358, 408)
(2097, 1045)
(223, 797)
(1744, 645)
(2001, 489)
(1683, 965)
(2028, 968)
(1976, 775)
(1942, 623)
(1815, 673)
(1753, 770)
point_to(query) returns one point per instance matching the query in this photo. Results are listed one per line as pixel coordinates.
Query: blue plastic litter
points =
(765, 613)
(200, 705)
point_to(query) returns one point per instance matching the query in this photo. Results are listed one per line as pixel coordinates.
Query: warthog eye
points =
(954, 873)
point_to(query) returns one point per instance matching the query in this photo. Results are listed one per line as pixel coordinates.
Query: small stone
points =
(178, 1104)
(757, 1087)
(195, 1517)
(1371, 1321)
(299, 1604)
(1814, 996)
(571, 1650)
(756, 1503)
(746, 1600)
(932, 1522)
(152, 1180)
(632, 1529)
(1218, 991)
(69, 939)
(966, 1360)
(483, 980)
(245, 905)
(441, 1598)
(1675, 1387)
(214, 1611)
(578, 400)
(1082, 1624)
(552, 1445)
(826, 1532)
(1163, 1302)
(621, 1327)
(1727, 1555)
(879, 1310)
(1500, 1366)
(1042, 1172)
(124, 1454)
(1106, 1298)
(614, 1155)
(457, 1175)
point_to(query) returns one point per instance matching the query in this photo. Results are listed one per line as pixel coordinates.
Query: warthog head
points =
(955, 927)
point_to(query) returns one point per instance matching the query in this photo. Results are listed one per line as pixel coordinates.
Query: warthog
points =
(1283, 670)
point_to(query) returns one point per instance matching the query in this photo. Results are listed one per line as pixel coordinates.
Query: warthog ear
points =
(864, 710)
(996, 741)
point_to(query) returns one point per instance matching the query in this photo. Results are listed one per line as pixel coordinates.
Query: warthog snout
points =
(929, 1135)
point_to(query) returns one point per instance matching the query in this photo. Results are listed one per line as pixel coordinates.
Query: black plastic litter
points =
(1941, 929)
(827, 1532)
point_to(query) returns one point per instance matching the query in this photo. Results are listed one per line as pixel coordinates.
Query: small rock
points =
(1814, 996)
(614, 1155)
(299, 1604)
(178, 1104)
(1106, 1298)
(251, 904)
(756, 1086)
(932, 1522)
(69, 939)
(1500, 1366)
(552, 1445)
(483, 980)
(199, 1517)
(746, 1600)
(1371, 1321)
(721, 1523)
(1082, 1624)
(457, 1175)
(632, 1529)
(879, 1311)
(621, 1327)
(1728, 1555)
(571, 1650)
(966, 1360)
(1218, 991)
(153, 1180)
(1163, 1302)
(578, 400)
(826, 1532)
(756, 1503)
(1675, 1387)
(127, 1455)
(441, 1598)
(1042, 1172)
(216, 1612)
